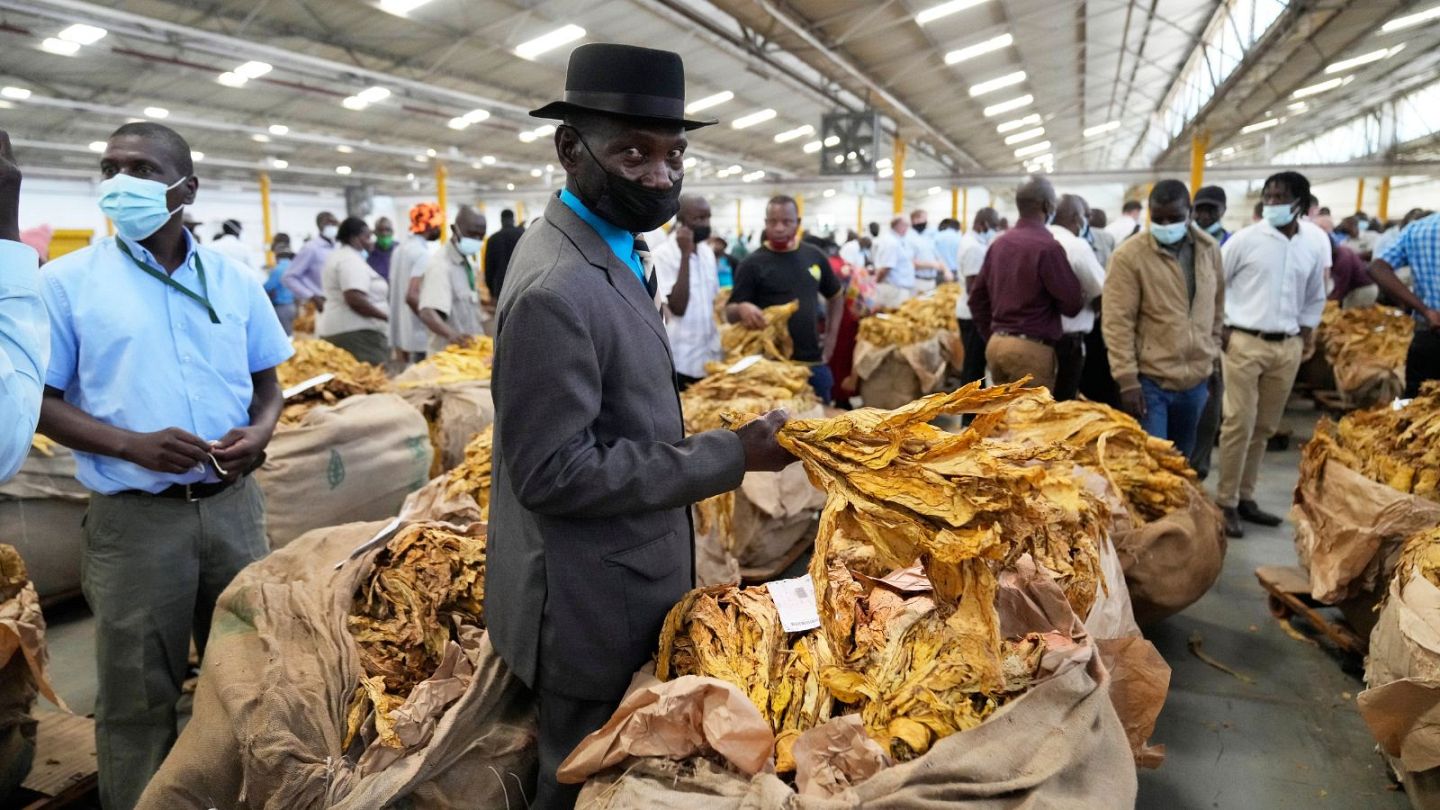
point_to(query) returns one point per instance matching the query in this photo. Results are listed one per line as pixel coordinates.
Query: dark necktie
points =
(647, 264)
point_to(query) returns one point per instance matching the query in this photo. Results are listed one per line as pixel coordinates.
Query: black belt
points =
(1030, 338)
(1270, 337)
(189, 493)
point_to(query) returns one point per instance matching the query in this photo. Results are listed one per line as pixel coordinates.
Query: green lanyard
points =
(203, 298)
(469, 271)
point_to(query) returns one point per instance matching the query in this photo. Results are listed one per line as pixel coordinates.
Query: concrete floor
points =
(1292, 739)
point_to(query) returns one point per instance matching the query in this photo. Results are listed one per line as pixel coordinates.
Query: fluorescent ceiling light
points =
(833, 140)
(354, 103)
(1011, 126)
(750, 120)
(342, 170)
(839, 159)
(476, 116)
(884, 173)
(97, 146)
(344, 149)
(526, 136)
(1033, 149)
(1007, 106)
(400, 8)
(253, 70)
(536, 172)
(231, 79)
(431, 152)
(563, 35)
(959, 55)
(1364, 59)
(1021, 137)
(1266, 124)
(691, 162)
(736, 169)
(1008, 80)
(544, 130)
(278, 129)
(1325, 86)
(60, 47)
(488, 160)
(196, 156)
(260, 137)
(883, 163)
(1101, 129)
(280, 163)
(422, 159)
(935, 190)
(83, 34)
(812, 147)
(1411, 20)
(828, 193)
(509, 186)
(475, 164)
(17, 93)
(909, 173)
(459, 122)
(156, 112)
(709, 101)
(792, 134)
(934, 13)
(370, 95)
(753, 176)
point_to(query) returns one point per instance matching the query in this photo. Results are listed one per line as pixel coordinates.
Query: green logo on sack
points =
(418, 446)
(335, 473)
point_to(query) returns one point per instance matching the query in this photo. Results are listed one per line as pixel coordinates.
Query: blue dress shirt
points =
(24, 351)
(135, 353)
(621, 241)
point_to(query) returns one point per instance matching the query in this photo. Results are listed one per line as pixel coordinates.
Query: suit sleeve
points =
(1122, 304)
(546, 411)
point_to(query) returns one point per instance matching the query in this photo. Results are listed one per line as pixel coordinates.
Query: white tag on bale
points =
(743, 363)
(795, 601)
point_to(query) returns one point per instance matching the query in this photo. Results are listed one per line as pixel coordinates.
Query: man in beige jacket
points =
(1164, 310)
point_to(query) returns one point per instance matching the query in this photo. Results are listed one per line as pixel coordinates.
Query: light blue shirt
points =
(621, 241)
(1419, 249)
(24, 351)
(302, 277)
(947, 245)
(135, 353)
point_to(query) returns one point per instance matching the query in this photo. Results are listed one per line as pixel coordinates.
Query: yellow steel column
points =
(1199, 145)
(520, 212)
(440, 177)
(739, 221)
(800, 205)
(897, 191)
(860, 214)
(954, 202)
(267, 224)
(1360, 195)
(1383, 207)
(965, 209)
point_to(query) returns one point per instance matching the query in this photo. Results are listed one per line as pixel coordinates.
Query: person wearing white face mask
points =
(358, 315)
(449, 298)
(162, 380)
(972, 257)
(302, 277)
(1071, 228)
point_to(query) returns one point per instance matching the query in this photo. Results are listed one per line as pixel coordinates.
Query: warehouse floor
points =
(1291, 739)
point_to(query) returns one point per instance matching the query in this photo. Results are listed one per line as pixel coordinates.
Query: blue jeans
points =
(1174, 415)
(822, 379)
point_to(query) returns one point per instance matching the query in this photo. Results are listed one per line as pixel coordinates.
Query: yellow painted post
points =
(860, 214)
(897, 191)
(1383, 208)
(1199, 145)
(109, 227)
(954, 202)
(1360, 195)
(965, 209)
(739, 221)
(800, 205)
(267, 223)
(1149, 187)
(520, 211)
(440, 177)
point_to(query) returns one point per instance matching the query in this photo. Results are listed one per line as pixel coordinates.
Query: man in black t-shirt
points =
(786, 269)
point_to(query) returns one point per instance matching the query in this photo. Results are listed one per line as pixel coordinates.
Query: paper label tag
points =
(302, 387)
(795, 601)
(1398, 404)
(743, 363)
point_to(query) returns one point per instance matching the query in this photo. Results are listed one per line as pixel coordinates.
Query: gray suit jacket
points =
(590, 539)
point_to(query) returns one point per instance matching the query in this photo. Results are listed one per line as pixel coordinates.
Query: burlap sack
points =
(434, 502)
(1366, 382)
(457, 411)
(355, 460)
(774, 512)
(1349, 529)
(1173, 561)
(41, 510)
(279, 672)
(24, 674)
(893, 376)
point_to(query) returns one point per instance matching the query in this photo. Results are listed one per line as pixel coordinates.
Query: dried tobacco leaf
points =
(427, 582)
(13, 574)
(918, 319)
(1420, 555)
(1373, 335)
(470, 363)
(472, 477)
(44, 445)
(773, 341)
(1396, 446)
(315, 357)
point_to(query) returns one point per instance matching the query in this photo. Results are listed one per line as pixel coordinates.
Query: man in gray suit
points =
(590, 539)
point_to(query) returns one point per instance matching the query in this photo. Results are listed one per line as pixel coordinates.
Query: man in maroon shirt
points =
(1024, 286)
(1350, 282)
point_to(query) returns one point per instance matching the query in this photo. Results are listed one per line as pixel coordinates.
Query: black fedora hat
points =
(624, 80)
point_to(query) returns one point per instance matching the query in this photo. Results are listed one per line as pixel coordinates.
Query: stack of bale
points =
(903, 354)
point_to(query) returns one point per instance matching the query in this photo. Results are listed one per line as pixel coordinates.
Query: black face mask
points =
(701, 233)
(919, 227)
(629, 205)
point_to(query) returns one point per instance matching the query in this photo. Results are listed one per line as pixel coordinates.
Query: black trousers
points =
(1070, 358)
(682, 381)
(1096, 381)
(1209, 426)
(972, 368)
(1423, 361)
(564, 722)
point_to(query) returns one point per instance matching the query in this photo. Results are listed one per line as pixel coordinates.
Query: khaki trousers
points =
(1009, 358)
(152, 570)
(1258, 377)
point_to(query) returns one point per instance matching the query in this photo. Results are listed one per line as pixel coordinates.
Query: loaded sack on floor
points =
(42, 510)
(452, 390)
(24, 662)
(920, 686)
(902, 355)
(1366, 347)
(364, 686)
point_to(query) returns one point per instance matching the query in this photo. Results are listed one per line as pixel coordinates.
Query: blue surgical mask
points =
(467, 246)
(136, 206)
(985, 236)
(364, 254)
(1279, 215)
(1169, 234)
(1085, 232)
(1215, 228)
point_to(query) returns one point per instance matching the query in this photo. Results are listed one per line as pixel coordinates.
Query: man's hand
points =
(9, 191)
(319, 303)
(460, 341)
(684, 239)
(1432, 316)
(751, 316)
(762, 452)
(240, 450)
(171, 450)
(1133, 402)
(1307, 351)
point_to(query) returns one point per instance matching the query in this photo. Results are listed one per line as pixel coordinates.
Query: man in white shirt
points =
(1070, 229)
(972, 257)
(228, 244)
(928, 267)
(408, 334)
(1275, 293)
(449, 288)
(688, 282)
(856, 251)
(894, 266)
(1128, 223)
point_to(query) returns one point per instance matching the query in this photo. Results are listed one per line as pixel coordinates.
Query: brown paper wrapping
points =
(1171, 562)
(1402, 704)
(835, 756)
